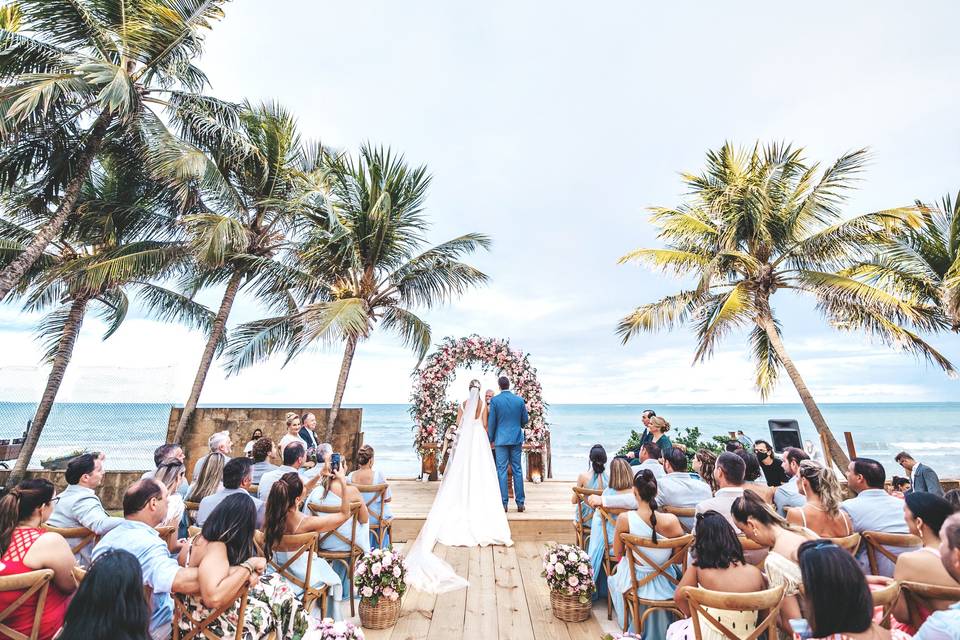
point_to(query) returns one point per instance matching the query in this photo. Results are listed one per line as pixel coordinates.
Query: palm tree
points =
(361, 265)
(120, 241)
(243, 208)
(763, 220)
(86, 71)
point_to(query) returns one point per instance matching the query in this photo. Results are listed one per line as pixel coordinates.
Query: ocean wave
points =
(925, 446)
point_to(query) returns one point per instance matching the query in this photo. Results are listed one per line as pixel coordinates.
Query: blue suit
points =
(508, 415)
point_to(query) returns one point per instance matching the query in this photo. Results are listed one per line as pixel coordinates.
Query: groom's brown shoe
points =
(520, 508)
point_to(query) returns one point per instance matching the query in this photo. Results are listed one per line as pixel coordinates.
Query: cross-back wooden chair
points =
(347, 558)
(851, 542)
(608, 519)
(296, 546)
(384, 528)
(636, 551)
(83, 536)
(885, 598)
(194, 531)
(582, 521)
(701, 601)
(168, 534)
(32, 583)
(681, 513)
(191, 508)
(878, 541)
(920, 594)
(200, 628)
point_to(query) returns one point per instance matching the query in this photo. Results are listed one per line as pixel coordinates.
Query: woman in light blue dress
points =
(595, 478)
(645, 522)
(621, 482)
(366, 474)
(283, 517)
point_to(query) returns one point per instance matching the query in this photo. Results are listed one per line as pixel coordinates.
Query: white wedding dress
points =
(466, 512)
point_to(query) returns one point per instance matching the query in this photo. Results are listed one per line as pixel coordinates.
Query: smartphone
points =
(801, 629)
(335, 461)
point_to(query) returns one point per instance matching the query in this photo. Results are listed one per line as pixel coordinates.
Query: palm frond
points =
(113, 307)
(665, 314)
(412, 331)
(767, 361)
(720, 314)
(167, 305)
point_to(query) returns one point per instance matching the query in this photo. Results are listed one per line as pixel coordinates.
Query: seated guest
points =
(294, 456)
(262, 453)
(248, 448)
(293, 432)
(220, 445)
(109, 605)
(922, 477)
(595, 478)
(704, 462)
(753, 478)
(224, 555)
(618, 496)
(644, 522)
(163, 452)
(945, 625)
(772, 467)
(285, 518)
(836, 597)
(821, 513)
(209, 480)
(717, 563)
(237, 479)
(366, 474)
(953, 497)
(172, 474)
(729, 474)
(144, 508)
(899, 486)
(925, 514)
(650, 455)
(788, 494)
(873, 509)
(761, 524)
(26, 547)
(79, 505)
(678, 488)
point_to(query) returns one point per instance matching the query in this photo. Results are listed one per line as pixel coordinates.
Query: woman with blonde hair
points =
(209, 481)
(170, 473)
(657, 428)
(821, 514)
(704, 462)
(293, 432)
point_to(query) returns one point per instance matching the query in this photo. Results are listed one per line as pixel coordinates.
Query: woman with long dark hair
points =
(704, 462)
(224, 553)
(594, 478)
(644, 522)
(109, 605)
(283, 517)
(26, 547)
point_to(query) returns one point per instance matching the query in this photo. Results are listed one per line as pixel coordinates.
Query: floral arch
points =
(435, 416)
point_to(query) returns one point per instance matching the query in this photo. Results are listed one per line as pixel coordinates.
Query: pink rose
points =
(396, 572)
(573, 581)
(376, 568)
(367, 592)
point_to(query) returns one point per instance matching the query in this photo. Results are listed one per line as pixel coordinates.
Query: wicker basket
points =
(569, 608)
(382, 615)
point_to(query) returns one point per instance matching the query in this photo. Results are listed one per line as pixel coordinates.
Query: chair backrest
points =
(584, 512)
(851, 542)
(193, 531)
(32, 582)
(634, 551)
(929, 592)
(375, 505)
(885, 598)
(878, 541)
(201, 626)
(83, 536)
(168, 532)
(335, 533)
(608, 520)
(295, 545)
(681, 513)
(769, 600)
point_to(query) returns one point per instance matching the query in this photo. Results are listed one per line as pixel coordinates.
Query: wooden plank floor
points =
(507, 600)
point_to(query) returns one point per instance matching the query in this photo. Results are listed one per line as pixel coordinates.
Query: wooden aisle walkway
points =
(507, 600)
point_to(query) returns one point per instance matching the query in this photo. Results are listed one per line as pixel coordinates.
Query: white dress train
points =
(466, 512)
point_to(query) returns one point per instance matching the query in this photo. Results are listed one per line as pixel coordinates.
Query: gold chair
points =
(83, 535)
(877, 542)
(681, 513)
(168, 534)
(181, 612)
(347, 558)
(608, 521)
(634, 547)
(921, 593)
(582, 522)
(851, 542)
(191, 508)
(704, 603)
(297, 545)
(194, 531)
(384, 528)
(886, 598)
(32, 582)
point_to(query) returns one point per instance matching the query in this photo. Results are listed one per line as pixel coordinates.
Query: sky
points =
(552, 127)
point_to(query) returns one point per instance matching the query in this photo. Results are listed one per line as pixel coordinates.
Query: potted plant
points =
(570, 578)
(380, 578)
(330, 630)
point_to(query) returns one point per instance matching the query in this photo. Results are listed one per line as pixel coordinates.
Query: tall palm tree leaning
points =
(363, 264)
(99, 67)
(121, 240)
(762, 220)
(242, 210)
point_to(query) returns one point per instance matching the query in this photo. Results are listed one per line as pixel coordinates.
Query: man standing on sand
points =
(508, 416)
(922, 477)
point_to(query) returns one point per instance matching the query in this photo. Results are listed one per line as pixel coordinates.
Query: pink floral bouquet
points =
(380, 574)
(567, 570)
(330, 630)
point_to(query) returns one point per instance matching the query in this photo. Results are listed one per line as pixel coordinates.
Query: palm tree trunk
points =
(61, 359)
(341, 387)
(819, 422)
(216, 334)
(14, 271)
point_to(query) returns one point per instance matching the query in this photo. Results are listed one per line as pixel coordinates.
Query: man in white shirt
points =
(678, 487)
(873, 509)
(221, 444)
(729, 473)
(788, 494)
(650, 459)
(294, 455)
(79, 506)
(237, 478)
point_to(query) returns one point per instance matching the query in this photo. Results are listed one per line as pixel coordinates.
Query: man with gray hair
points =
(220, 444)
(945, 625)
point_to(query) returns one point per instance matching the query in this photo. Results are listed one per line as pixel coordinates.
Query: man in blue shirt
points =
(788, 494)
(945, 625)
(237, 478)
(144, 508)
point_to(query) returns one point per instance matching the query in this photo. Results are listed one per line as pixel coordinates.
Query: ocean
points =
(128, 433)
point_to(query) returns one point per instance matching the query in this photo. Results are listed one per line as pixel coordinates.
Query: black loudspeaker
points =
(784, 433)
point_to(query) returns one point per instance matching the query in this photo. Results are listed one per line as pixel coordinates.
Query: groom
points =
(508, 415)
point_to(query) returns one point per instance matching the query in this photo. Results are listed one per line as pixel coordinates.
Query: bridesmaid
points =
(595, 478)
(366, 474)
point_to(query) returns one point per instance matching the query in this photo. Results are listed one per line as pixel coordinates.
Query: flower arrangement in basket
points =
(330, 630)
(570, 578)
(380, 578)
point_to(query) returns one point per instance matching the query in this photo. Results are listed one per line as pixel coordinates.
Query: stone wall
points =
(110, 492)
(242, 421)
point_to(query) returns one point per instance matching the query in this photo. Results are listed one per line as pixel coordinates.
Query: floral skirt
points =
(271, 607)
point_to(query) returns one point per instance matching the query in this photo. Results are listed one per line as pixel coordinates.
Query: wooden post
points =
(825, 446)
(851, 448)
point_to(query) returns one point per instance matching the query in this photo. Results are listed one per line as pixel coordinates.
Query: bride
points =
(467, 510)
